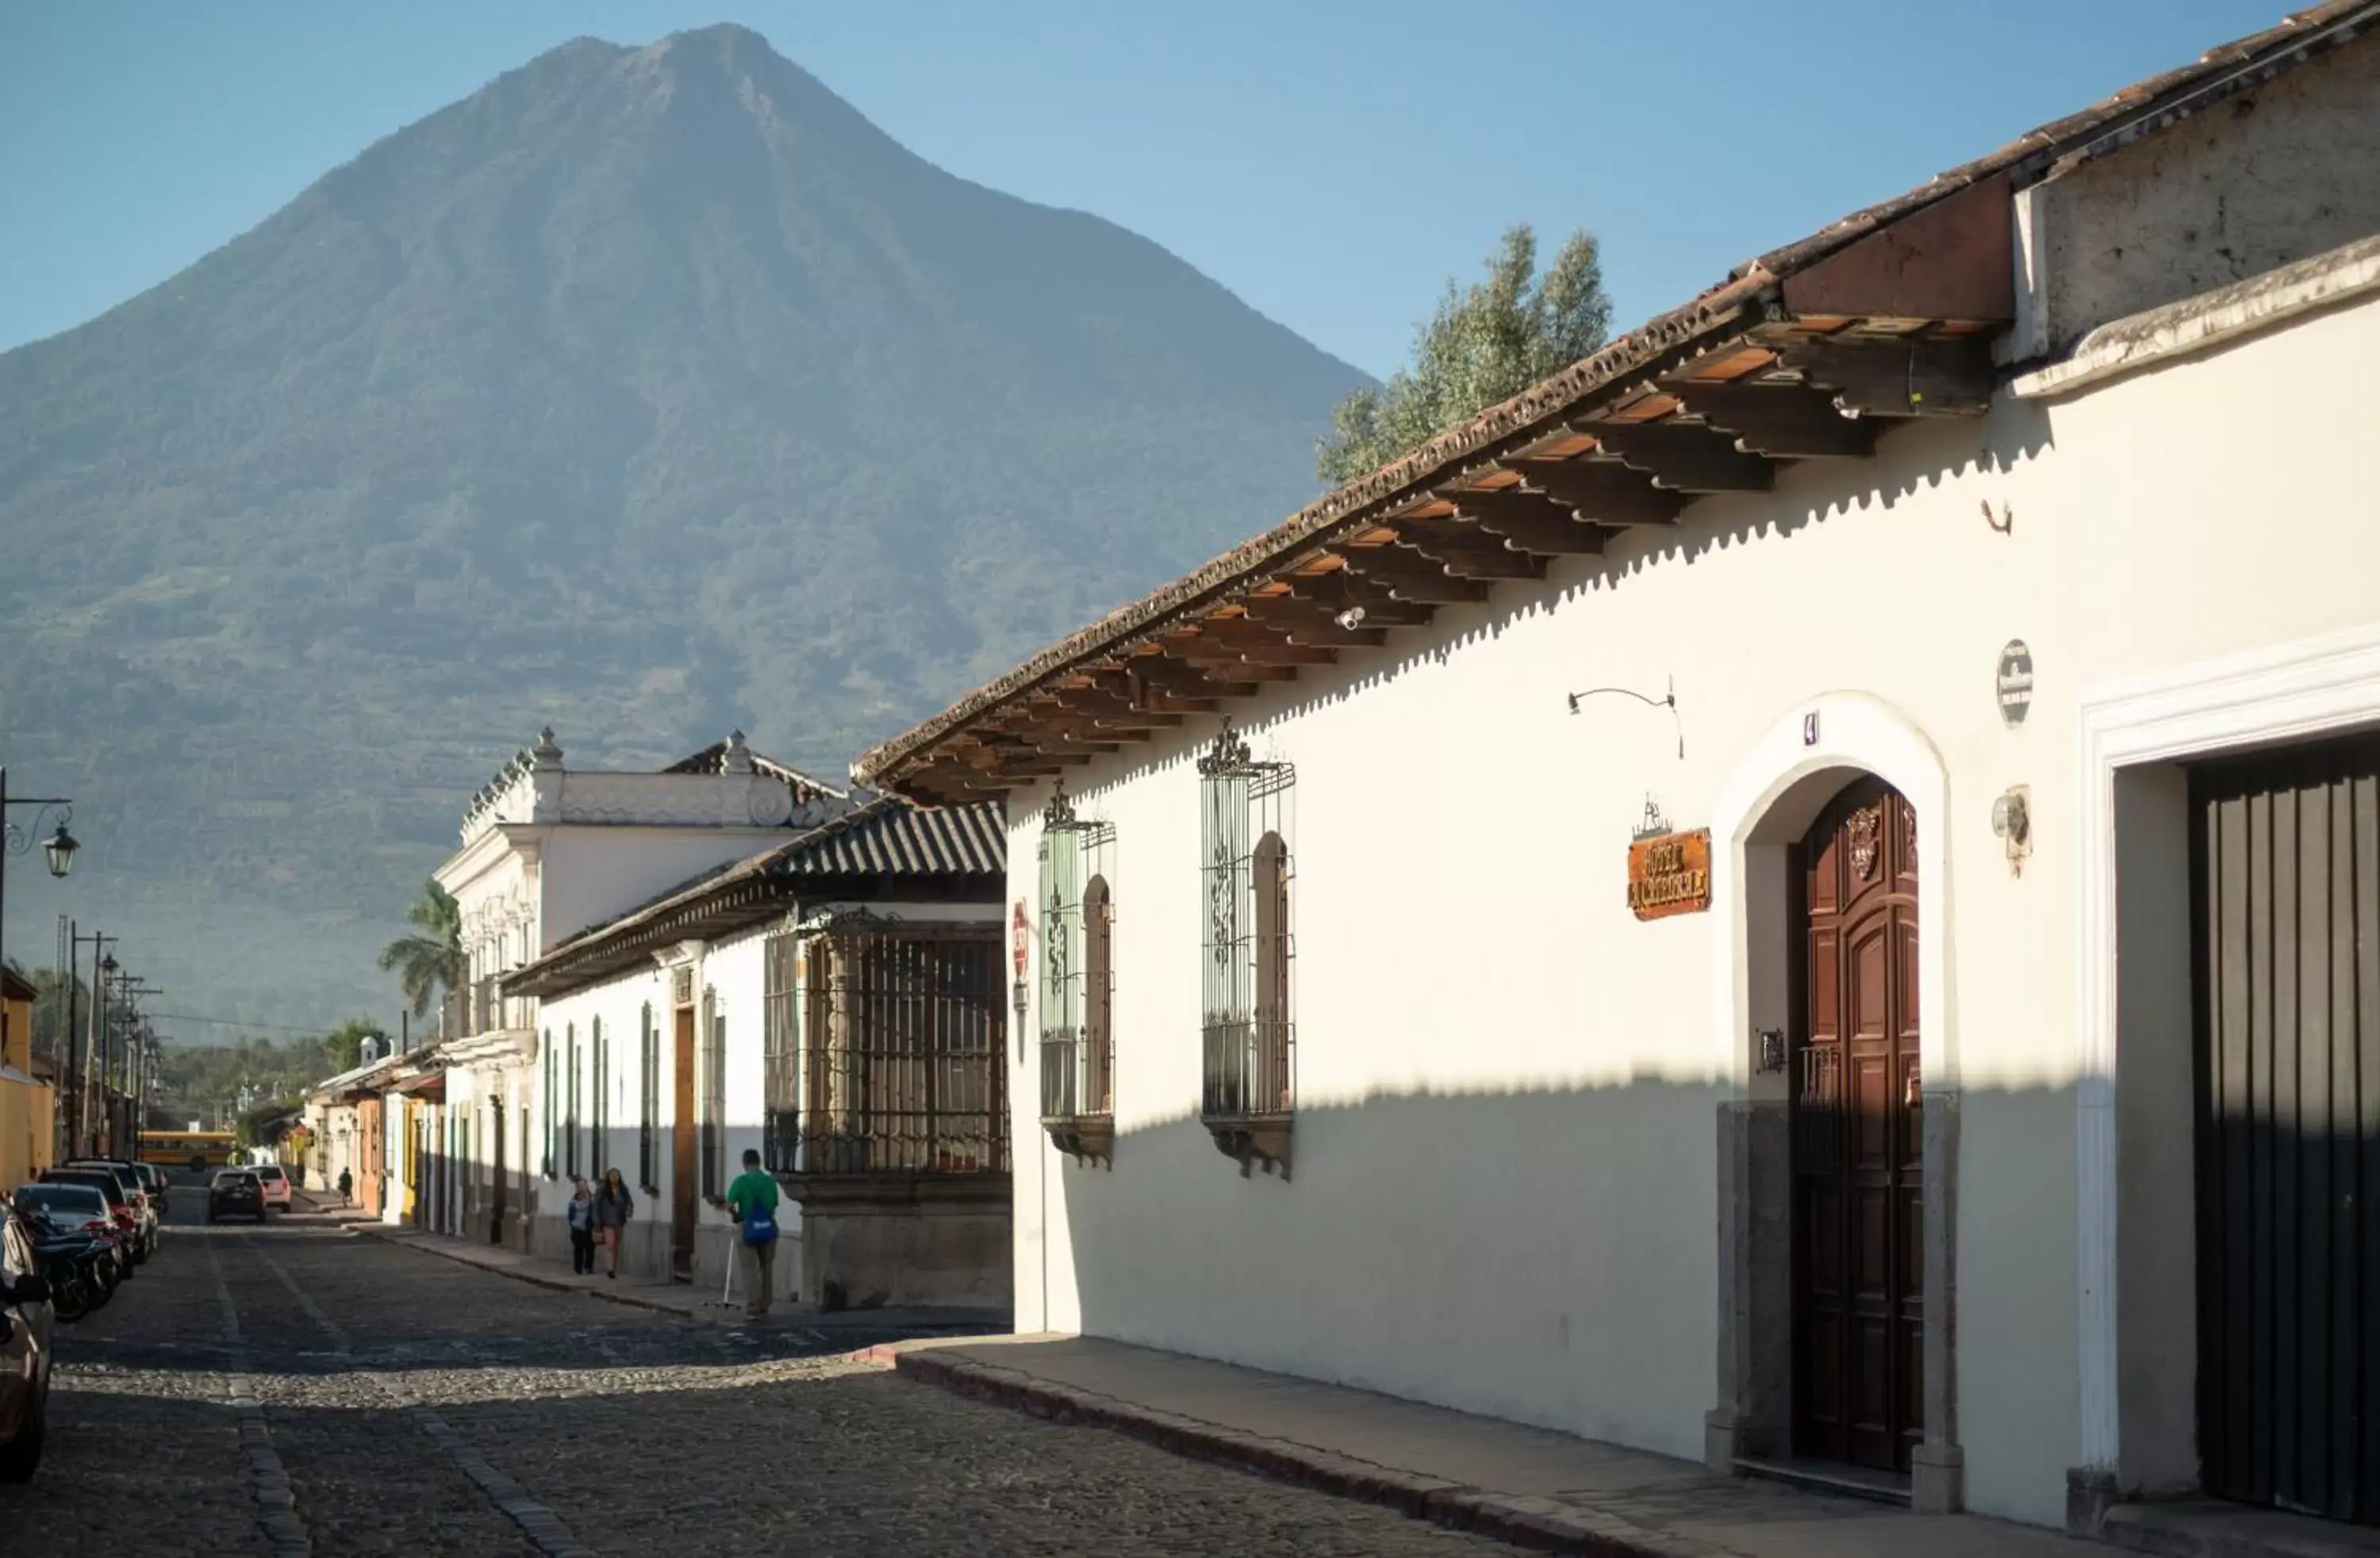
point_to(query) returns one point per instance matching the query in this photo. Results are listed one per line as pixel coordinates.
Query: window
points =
(899, 1055)
(1249, 1070)
(546, 1167)
(648, 1093)
(715, 1098)
(600, 1115)
(779, 1041)
(1078, 1049)
(570, 1119)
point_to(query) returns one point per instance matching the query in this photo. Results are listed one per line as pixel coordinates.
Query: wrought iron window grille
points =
(780, 979)
(649, 1090)
(714, 1097)
(1076, 1029)
(1248, 1095)
(900, 1056)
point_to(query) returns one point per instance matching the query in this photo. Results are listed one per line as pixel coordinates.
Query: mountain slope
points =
(645, 392)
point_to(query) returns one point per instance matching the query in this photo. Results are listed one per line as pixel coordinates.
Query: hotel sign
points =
(1669, 873)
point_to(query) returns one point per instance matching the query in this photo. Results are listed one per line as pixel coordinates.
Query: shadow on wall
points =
(1554, 1257)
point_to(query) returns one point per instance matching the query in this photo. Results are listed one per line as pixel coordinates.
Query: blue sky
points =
(1331, 161)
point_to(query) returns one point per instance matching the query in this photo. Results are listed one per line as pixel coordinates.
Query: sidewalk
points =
(1533, 1487)
(685, 1299)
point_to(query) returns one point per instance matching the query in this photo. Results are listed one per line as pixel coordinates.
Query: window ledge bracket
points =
(1250, 1139)
(1082, 1137)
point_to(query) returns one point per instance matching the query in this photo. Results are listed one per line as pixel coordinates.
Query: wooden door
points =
(682, 1153)
(1859, 1322)
(2286, 967)
(496, 1137)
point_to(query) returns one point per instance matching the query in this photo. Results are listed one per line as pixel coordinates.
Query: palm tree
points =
(430, 962)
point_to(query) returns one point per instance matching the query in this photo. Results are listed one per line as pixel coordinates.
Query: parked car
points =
(152, 1220)
(78, 1244)
(121, 1208)
(235, 1193)
(275, 1181)
(159, 1183)
(24, 1349)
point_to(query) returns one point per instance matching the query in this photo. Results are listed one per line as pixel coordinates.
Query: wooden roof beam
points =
(1951, 377)
(1530, 521)
(1683, 457)
(1408, 575)
(1464, 551)
(1332, 593)
(1604, 491)
(1782, 421)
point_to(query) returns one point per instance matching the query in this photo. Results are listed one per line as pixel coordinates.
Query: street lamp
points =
(58, 849)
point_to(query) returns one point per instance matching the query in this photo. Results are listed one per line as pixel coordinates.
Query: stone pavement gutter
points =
(1533, 1488)
(683, 1299)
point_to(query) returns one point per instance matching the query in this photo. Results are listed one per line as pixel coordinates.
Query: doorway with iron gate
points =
(2285, 997)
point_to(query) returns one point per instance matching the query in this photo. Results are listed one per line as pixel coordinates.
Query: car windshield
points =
(106, 1184)
(229, 1177)
(62, 1198)
(270, 1171)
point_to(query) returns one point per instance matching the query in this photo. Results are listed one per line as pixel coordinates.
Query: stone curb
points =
(1540, 1524)
(517, 1274)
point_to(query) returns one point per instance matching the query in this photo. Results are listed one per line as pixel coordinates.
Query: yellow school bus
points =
(197, 1150)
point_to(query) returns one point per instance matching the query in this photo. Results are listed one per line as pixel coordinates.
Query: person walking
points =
(580, 1215)
(612, 1209)
(753, 1200)
(347, 1187)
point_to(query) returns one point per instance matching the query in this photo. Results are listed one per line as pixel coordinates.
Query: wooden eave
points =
(1808, 353)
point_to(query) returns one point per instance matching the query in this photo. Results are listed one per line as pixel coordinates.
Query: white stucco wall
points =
(1505, 1193)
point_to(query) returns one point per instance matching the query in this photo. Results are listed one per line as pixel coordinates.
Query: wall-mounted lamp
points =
(1668, 700)
(2012, 823)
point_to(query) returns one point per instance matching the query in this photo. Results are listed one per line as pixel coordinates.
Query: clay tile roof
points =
(2140, 109)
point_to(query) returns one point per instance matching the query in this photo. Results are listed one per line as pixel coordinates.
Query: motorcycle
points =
(80, 1267)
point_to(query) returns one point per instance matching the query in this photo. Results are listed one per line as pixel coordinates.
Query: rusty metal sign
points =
(1669, 873)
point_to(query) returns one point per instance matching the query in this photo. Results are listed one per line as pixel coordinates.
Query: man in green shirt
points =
(753, 1201)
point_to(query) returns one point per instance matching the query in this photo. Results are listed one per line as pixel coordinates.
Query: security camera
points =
(1351, 618)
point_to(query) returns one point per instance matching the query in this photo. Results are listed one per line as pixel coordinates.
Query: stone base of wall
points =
(716, 1245)
(905, 1239)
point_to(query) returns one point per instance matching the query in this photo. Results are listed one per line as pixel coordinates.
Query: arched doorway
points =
(1857, 1133)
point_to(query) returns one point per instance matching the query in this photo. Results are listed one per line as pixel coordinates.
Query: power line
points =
(233, 1022)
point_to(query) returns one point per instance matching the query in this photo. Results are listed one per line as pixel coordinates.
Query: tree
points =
(1485, 342)
(430, 962)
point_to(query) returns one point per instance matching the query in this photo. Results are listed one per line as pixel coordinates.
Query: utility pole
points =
(86, 1094)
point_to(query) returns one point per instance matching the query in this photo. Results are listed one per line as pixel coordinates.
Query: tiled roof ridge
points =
(749, 867)
(1747, 290)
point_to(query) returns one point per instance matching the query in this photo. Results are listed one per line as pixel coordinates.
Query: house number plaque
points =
(1669, 873)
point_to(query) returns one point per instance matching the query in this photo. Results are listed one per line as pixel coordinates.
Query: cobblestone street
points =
(412, 1405)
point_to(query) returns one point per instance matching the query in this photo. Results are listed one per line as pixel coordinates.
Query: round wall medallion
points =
(2015, 682)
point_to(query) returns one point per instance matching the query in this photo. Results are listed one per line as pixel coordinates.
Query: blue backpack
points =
(760, 1225)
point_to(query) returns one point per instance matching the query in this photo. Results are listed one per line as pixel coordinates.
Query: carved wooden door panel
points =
(1859, 1324)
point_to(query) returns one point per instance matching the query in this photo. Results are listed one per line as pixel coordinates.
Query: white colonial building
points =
(547, 851)
(835, 1002)
(1801, 893)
